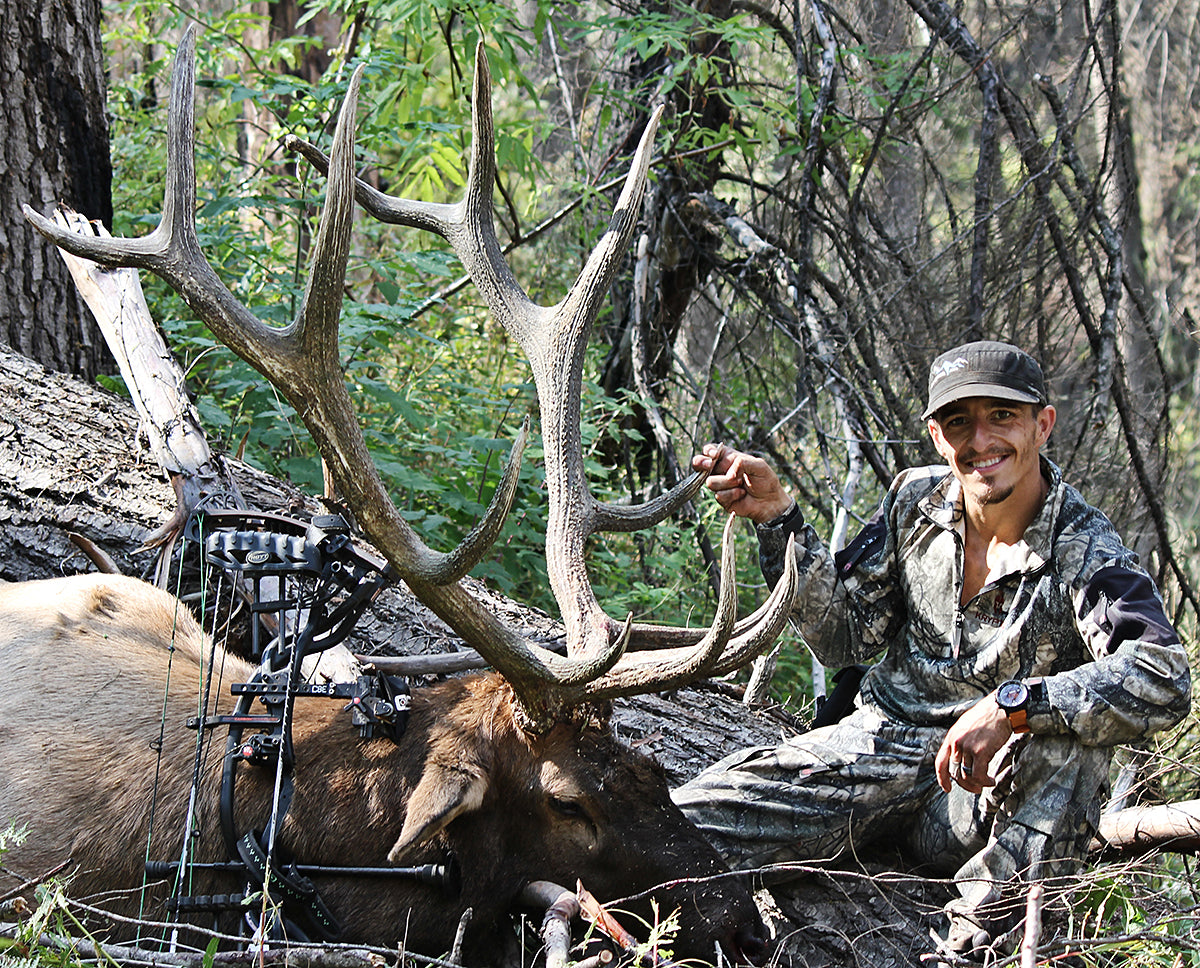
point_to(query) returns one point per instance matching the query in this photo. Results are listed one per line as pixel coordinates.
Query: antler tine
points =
(762, 621)
(467, 224)
(667, 670)
(475, 545)
(557, 361)
(638, 669)
(744, 646)
(319, 317)
(433, 217)
(179, 199)
(585, 298)
(554, 340)
(647, 636)
(635, 517)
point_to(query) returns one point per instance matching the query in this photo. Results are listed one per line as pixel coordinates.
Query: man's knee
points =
(1053, 785)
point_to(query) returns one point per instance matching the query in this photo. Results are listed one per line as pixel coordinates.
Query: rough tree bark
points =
(54, 150)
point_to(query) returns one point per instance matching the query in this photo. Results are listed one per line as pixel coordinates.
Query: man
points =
(1020, 643)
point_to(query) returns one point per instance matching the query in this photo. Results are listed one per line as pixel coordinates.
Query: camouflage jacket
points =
(1071, 605)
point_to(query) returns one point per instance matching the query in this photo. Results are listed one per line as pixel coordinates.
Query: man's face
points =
(992, 446)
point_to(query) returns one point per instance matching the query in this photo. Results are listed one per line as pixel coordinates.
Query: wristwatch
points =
(1013, 698)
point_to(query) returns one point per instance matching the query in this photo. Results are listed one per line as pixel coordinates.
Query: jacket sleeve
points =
(849, 608)
(1139, 681)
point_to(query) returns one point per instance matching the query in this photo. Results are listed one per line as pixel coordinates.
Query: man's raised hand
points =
(742, 483)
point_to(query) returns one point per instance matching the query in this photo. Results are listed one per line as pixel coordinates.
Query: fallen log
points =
(1173, 827)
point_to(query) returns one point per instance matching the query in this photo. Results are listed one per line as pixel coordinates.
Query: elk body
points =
(81, 713)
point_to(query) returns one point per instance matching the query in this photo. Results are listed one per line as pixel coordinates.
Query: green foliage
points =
(10, 836)
(49, 935)
(27, 944)
(1132, 915)
(691, 54)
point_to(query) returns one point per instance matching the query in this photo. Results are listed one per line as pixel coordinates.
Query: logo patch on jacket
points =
(990, 609)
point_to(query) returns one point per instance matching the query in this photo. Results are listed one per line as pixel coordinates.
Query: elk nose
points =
(750, 944)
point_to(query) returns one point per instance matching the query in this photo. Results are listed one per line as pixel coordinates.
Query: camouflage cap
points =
(984, 369)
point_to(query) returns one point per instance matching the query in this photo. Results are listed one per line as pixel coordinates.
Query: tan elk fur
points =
(85, 662)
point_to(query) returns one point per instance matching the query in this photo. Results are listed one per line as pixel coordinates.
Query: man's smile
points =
(985, 463)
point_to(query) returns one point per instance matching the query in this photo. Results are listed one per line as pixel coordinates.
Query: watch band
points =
(1018, 719)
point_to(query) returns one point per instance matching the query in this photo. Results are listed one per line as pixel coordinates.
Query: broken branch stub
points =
(302, 361)
(168, 420)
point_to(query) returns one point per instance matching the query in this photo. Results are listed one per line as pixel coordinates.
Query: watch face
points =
(1012, 695)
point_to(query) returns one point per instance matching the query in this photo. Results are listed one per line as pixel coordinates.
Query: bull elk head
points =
(605, 658)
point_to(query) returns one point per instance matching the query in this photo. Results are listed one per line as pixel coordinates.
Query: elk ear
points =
(444, 792)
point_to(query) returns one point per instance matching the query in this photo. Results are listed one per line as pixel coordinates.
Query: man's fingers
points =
(959, 766)
(709, 457)
(731, 478)
(941, 766)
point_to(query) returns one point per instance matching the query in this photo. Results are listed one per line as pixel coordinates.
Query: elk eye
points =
(568, 808)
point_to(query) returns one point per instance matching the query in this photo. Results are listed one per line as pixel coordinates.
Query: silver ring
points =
(964, 770)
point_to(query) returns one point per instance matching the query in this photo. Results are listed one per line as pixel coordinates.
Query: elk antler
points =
(554, 339)
(302, 361)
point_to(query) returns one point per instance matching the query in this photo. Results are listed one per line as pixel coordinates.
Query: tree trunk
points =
(70, 462)
(680, 247)
(54, 150)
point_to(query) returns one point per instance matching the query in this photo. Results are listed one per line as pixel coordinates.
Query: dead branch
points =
(35, 881)
(1139, 830)
(1033, 926)
(561, 908)
(598, 960)
(425, 665)
(291, 957)
(460, 934)
(169, 421)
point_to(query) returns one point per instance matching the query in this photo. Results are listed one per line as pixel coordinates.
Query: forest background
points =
(841, 190)
(830, 207)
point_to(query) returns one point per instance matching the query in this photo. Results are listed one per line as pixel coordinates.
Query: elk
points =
(527, 780)
(468, 783)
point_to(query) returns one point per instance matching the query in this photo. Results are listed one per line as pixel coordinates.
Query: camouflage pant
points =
(866, 781)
